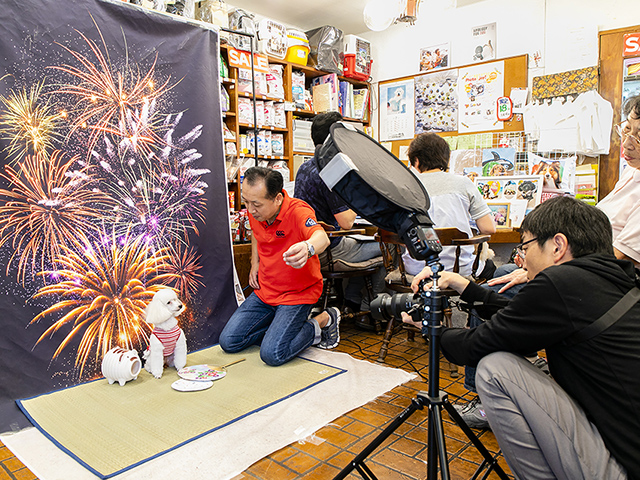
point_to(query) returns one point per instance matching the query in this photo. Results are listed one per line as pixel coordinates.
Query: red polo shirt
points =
(281, 284)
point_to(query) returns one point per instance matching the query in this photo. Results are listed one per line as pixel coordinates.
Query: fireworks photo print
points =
(112, 185)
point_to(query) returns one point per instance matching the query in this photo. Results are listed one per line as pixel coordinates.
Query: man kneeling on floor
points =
(585, 422)
(285, 276)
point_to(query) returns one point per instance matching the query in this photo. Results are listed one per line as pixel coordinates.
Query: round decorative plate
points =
(183, 385)
(201, 373)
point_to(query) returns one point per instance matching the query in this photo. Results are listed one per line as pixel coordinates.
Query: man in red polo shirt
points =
(285, 275)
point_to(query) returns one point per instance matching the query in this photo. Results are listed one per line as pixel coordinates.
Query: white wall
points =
(564, 31)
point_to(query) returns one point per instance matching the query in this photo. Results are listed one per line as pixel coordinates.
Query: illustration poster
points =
(511, 188)
(434, 57)
(483, 41)
(479, 88)
(437, 102)
(112, 186)
(396, 110)
(498, 161)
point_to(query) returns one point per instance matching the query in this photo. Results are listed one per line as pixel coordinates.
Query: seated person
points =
(332, 210)
(622, 205)
(583, 423)
(285, 276)
(455, 202)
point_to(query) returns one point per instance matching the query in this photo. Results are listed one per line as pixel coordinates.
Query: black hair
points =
(632, 105)
(587, 228)
(428, 151)
(321, 126)
(272, 180)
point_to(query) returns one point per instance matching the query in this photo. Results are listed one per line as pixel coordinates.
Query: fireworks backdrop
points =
(112, 186)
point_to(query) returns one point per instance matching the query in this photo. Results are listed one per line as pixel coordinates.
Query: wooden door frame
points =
(610, 45)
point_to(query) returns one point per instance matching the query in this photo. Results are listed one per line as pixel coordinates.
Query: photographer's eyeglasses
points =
(623, 131)
(521, 251)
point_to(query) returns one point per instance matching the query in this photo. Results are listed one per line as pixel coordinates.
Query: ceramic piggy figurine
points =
(120, 365)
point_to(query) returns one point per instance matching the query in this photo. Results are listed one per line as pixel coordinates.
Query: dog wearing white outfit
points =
(167, 343)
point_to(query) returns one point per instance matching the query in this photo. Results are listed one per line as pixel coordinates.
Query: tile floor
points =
(401, 457)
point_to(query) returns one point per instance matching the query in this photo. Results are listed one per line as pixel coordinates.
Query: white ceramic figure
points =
(167, 343)
(120, 365)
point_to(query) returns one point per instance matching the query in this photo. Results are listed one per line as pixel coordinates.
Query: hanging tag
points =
(505, 109)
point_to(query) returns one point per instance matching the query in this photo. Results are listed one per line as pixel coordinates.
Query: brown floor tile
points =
(368, 416)
(359, 429)
(283, 454)
(4, 475)
(269, 470)
(4, 453)
(401, 463)
(323, 472)
(24, 474)
(300, 462)
(337, 437)
(12, 464)
(322, 451)
(407, 446)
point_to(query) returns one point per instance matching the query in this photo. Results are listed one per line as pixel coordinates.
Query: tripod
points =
(434, 400)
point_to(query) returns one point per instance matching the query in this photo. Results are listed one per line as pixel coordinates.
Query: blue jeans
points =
(475, 320)
(282, 331)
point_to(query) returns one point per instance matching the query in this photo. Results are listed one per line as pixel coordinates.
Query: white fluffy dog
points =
(167, 344)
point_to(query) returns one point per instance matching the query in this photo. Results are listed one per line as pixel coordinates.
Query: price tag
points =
(505, 109)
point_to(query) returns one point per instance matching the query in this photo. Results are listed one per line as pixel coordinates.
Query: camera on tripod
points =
(386, 306)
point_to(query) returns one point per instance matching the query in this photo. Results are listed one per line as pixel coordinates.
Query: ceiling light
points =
(380, 14)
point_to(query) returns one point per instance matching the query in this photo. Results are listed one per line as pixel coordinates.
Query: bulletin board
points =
(514, 75)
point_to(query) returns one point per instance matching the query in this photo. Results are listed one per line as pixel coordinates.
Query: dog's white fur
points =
(162, 312)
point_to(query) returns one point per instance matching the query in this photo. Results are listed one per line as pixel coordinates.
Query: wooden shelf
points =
(261, 97)
(264, 127)
(232, 119)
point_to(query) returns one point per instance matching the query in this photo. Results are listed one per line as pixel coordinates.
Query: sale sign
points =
(242, 59)
(631, 45)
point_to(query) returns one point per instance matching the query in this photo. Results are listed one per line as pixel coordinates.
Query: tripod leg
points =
(358, 462)
(490, 461)
(437, 447)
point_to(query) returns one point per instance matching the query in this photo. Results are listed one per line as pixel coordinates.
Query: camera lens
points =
(385, 306)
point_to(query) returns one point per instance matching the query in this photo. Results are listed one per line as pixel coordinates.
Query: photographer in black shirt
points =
(585, 422)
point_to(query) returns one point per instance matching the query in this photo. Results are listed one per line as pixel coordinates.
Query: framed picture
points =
(511, 188)
(434, 57)
(500, 211)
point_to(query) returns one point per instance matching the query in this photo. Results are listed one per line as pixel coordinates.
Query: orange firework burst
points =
(47, 206)
(116, 102)
(28, 123)
(184, 264)
(102, 293)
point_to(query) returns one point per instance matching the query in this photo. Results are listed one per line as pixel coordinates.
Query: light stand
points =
(435, 400)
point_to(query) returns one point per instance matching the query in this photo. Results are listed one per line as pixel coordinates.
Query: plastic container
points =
(357, 58)
(298, 51)
(272, 38)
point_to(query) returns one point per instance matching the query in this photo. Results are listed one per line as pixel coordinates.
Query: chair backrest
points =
(449, 236)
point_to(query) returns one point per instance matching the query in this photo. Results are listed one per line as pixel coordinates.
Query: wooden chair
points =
(336, 270)
(399, 281)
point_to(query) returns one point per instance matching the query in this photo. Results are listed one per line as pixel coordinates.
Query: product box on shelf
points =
(302, 141)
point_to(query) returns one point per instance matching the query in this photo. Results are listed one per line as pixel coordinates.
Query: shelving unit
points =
(238, 128)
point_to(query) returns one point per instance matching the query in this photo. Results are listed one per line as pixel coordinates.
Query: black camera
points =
(385, 306)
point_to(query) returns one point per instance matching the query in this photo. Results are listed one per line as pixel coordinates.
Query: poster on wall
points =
(522, 193)
(483, 42)
(434, 57)
(396, 110)
(479, 87)
(112, 186)
(437, 102)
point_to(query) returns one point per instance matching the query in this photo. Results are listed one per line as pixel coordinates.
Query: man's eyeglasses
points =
(623, 130)
(521, 251)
